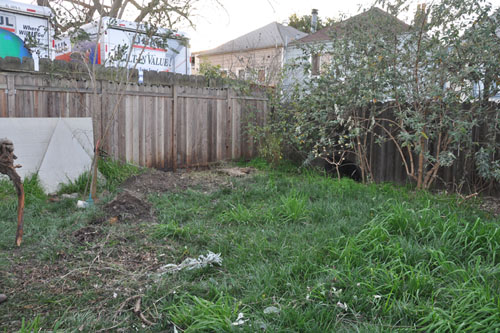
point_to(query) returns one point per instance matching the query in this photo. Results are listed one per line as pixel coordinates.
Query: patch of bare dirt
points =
(87, 234)
(237, 172)
(159, 182)
(491, 205)
(129, 206)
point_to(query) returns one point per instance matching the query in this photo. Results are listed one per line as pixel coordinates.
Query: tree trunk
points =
(8, 168)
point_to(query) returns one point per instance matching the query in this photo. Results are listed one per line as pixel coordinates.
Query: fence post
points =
(174, 126)
(230, 115)
(11, 95)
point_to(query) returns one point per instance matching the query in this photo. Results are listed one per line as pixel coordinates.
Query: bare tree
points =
(168, 13)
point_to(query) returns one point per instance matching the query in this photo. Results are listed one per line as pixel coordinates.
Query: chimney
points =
(314, 20)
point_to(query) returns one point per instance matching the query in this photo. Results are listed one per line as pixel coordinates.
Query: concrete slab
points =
(58, 149)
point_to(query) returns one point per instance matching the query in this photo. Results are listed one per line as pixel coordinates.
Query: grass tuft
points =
(117, 172)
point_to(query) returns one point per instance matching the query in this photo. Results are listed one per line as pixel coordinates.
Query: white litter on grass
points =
(271, 309)
(240, 321)
(341, 305)
(336, 291)
(377, 296)
(190, 263)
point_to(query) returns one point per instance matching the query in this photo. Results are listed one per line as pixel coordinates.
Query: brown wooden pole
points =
(8, 168)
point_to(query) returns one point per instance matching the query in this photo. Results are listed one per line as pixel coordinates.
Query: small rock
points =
(271, 309)
(3, 298)
(69, 196)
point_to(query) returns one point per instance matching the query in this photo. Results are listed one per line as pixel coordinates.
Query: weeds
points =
(194, 314)
(79, 185)
(117, 172)
(324, 255)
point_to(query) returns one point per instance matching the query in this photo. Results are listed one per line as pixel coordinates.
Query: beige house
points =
(256, 56)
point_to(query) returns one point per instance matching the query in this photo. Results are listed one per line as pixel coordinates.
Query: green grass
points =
(116, 172)
(399, 260)
(80, 185)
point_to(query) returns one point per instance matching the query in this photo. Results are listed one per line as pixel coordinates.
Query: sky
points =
(218, 24)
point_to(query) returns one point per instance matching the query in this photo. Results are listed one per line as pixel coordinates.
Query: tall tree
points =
(425, 88)
(303, 23)
(167, 13)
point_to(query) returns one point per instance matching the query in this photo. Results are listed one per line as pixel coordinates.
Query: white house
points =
(299, 65)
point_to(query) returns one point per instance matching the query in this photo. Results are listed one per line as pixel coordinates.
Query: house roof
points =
(362, 21)
(272, 35)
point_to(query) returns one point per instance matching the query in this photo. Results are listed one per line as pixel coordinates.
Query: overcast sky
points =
(216, 25)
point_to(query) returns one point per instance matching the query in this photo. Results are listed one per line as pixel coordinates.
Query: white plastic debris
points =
(240, 320)
(69, 196)
(336, 291)
(271, 309)
(189, 263)
(377, 296)
(341, 305)
(82, 204)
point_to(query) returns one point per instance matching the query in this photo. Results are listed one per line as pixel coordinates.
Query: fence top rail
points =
(59, 69)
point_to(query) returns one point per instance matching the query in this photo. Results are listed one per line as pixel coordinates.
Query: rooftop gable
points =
(364, 21)
(272, 35)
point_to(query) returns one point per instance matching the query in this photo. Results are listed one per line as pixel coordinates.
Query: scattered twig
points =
(137, 307)
(107, 329)
(125, 302)
(99, 252)
(72, 271)
(465, 198)
(137, 311)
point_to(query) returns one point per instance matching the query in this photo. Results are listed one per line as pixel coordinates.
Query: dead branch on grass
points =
(8, 168)
(465, 198)
(137, 309)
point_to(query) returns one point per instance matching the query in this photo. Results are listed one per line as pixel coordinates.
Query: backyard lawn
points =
(300, 252)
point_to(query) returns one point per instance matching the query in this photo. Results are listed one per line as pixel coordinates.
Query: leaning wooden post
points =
(8, 168)
(175, 106)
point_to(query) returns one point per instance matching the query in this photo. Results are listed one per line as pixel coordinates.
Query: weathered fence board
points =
(162, 126)
(387, 164)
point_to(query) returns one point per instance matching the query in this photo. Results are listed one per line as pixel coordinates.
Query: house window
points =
(241, 74)
(262, 75)
(315, 64)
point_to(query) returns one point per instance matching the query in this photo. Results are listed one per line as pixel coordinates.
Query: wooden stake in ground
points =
(8, 168)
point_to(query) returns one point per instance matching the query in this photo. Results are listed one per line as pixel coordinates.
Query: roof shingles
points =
(271, 35)
(364, 21)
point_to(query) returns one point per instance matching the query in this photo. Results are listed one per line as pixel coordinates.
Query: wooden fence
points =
(157, 125)
(387, 164)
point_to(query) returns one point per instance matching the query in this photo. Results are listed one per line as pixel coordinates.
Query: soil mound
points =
(127, 206)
